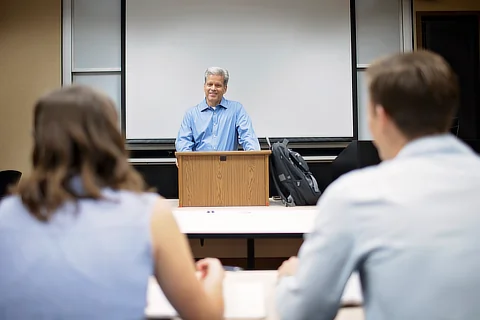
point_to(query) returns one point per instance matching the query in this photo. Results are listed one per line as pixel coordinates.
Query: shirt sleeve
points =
(246, 135)
(326, 261)
(184, 141)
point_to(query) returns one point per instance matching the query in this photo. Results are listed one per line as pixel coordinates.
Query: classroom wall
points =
(30, 64)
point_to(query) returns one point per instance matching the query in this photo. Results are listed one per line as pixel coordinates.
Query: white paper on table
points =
(157, 303)
(242, 300)
(245, 300)
(353, 291)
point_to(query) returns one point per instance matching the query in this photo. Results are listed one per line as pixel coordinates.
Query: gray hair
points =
(217, 71)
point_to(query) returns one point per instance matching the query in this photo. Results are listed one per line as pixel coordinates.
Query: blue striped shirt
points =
(221, 129)
(409, 226)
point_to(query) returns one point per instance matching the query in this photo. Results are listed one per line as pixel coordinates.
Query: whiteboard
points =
(290, 64)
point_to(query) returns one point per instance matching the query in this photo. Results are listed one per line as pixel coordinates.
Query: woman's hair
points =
(76, 136)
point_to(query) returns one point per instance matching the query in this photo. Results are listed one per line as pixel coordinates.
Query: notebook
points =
(352, 295)
(242, 300)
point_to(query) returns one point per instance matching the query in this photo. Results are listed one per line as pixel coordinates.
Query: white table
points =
(274, 221)
(252, 221)
(259, 304)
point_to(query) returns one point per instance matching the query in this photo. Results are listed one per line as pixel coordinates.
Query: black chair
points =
(455, 128)
(8, 178)
(357, 155)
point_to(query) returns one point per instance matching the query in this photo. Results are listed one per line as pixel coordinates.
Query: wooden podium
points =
(219, 179)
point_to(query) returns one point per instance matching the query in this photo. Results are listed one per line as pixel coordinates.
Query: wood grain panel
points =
(234, 178)
(237, 248)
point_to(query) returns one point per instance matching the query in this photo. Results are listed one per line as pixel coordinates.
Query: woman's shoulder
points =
(12, 208)
(10, 201)
(130, 199)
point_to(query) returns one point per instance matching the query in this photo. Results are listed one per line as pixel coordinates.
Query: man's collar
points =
(433, 144)
(204, 106)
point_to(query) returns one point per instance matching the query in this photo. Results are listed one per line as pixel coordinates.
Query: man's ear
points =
(226, 87)
(382, 116)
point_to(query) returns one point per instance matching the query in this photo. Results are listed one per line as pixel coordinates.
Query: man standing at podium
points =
(216, 124)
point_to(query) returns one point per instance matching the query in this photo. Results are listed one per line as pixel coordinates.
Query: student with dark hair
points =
(409, 225)
(82, 236)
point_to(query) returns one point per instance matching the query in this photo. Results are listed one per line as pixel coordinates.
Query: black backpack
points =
(292, 177)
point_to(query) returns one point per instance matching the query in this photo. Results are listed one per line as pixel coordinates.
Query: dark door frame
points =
(420, 17)
(420, 14)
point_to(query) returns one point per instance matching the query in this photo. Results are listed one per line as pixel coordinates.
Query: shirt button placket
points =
(215, 129)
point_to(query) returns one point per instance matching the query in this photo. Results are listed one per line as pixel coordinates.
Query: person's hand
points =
(288, 267)
(210, 271)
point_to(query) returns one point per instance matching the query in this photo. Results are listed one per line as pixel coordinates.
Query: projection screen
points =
(290, 64)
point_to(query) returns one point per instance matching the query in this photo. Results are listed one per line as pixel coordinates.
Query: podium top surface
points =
(222, 153)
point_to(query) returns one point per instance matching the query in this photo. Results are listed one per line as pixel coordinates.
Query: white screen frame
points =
(352, 120)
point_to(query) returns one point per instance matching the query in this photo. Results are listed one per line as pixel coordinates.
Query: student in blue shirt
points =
(216, 124)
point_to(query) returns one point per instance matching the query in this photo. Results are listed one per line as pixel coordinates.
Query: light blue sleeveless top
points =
(89, 262)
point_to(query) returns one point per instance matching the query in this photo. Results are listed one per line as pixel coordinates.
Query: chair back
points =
(8, 178)
(455, 128)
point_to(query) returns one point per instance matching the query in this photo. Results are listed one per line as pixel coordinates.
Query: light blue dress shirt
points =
(221, 129)
(410, 226)
(88, 262)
